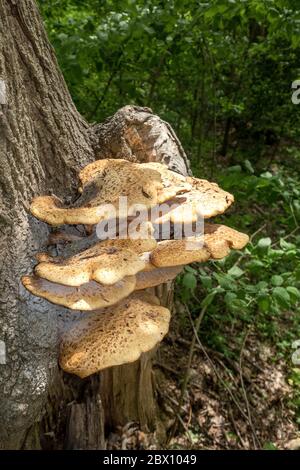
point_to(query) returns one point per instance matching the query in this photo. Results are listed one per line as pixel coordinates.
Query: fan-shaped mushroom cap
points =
(106, 180)
(50, 209)
(112, 337)
(107, 262)
(103, 183)
(104, 264)
(98, 169)
(214, 244)
(157, 276)
(204, 200)
(90, 296)
(170, 182)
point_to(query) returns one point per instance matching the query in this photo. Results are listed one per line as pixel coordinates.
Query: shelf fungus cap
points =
(112, 188)
(90, 296)
(114, 336)
(50, 209)
(143, 183)
(215, 243)
(117, 178)
(205, 200)
(157, 276)
(106, 262)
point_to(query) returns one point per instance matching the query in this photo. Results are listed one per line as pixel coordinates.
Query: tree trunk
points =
(43, 143)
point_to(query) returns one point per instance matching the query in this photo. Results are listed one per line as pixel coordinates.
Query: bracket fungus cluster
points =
(108, 278)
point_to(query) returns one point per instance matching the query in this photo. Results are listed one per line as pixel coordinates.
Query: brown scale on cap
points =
(214, 244)
(114, 336)
(106, 262)
(115, 178)
(90, 296)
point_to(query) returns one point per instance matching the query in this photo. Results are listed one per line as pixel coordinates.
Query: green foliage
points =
(219, 71)
(259, 287)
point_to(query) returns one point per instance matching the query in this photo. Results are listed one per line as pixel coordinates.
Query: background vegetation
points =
(220, 72)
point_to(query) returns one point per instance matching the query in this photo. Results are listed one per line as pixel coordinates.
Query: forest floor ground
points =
(228, 404)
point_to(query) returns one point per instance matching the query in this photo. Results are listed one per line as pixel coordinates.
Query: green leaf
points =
(277, 280)
(189, 281)
(269, 446)
(235, 169)
(286, 245)
(294, 293)
(226, 281)
(281, 295)
(261, 286)
(267, 175)
(189, 269)
(230, 297)
(255, 265)
(206, 281)
(215, 10)
(238, 305)
(264, 244)
(249, 166)
(263, 302)
(208, 299)
(236, 272)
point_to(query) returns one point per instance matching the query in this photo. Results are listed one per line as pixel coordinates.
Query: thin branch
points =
(286, 236)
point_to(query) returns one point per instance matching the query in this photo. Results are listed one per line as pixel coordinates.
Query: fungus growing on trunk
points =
(89, 296)
(102, 184)
(113, 336)
(104, 264)
(104, 274)
(215, 243)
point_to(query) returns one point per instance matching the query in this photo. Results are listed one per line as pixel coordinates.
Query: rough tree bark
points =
(43, 143)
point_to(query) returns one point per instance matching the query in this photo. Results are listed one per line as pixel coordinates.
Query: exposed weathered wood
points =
(137, 134)
(128, 395)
